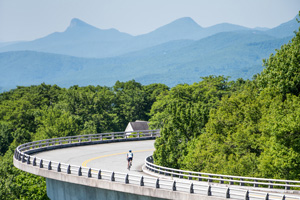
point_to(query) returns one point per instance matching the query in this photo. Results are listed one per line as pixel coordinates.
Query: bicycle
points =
(130, 164)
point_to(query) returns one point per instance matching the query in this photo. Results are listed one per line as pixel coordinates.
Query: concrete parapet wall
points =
(84, 186)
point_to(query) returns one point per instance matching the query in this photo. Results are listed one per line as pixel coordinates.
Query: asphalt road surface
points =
(110, 156)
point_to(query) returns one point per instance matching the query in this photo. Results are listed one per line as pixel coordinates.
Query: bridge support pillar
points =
(57, 190)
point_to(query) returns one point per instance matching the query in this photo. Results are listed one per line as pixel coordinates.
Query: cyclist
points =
(129, 158)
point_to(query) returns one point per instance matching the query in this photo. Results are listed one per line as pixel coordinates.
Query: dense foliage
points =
(45, 111)
(247, 128)
(182, 114)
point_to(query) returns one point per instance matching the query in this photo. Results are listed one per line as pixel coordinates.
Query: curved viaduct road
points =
(108, 156)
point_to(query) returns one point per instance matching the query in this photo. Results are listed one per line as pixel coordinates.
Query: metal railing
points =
(84, 139)
(23, 153)
(221, 179)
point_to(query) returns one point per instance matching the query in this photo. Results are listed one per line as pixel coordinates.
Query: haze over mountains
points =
(179, 52)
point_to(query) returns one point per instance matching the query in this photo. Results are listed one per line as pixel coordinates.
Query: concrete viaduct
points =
(95, 167)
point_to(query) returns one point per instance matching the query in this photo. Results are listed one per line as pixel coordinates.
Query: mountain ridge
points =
(157, 57)
(181, 61)
(84, 40)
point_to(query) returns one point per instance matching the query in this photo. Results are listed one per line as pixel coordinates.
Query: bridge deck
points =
(110, 156)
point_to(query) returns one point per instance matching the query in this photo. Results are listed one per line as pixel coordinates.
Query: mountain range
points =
(179, 52)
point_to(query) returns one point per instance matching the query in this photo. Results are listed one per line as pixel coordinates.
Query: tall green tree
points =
(182, 114)
(132, 102)
(54, 122)
(229, 144)
(6, 137)
(282, 70)
(92, 106)
(280, 126)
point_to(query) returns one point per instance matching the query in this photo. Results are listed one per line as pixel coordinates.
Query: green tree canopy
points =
(182, 114)
(282, 70)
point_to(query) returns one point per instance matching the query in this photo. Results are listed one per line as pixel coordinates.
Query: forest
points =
(216, 125)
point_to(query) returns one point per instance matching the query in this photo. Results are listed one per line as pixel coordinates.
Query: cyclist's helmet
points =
(129, 150)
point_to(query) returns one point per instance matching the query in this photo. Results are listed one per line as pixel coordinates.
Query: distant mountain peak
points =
(77, 23)
(182, 25)
(185, 21)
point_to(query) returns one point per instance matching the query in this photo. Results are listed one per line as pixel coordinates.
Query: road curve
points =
(108, 156)
(112, 157)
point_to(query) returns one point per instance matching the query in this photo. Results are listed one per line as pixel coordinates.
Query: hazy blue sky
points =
(31, 19)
